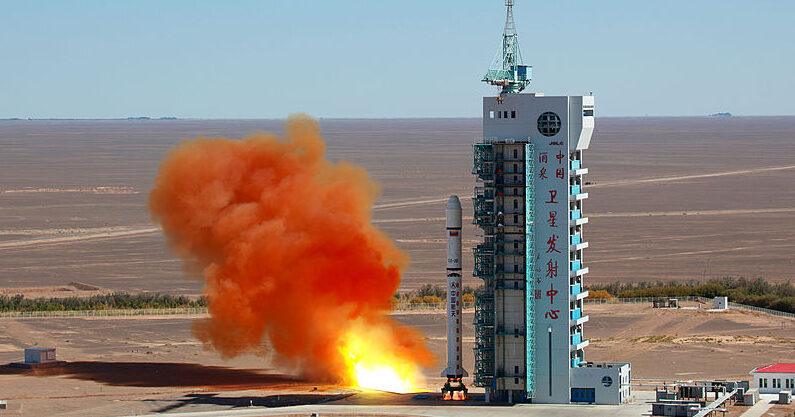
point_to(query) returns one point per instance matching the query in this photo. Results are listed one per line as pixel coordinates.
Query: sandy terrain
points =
(670, 198)
(123, 366)
(72, 289)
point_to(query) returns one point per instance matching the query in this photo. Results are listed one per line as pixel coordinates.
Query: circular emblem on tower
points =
(607, 381)
(549, 124)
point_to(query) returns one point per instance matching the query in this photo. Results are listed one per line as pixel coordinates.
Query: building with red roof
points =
(772, 379)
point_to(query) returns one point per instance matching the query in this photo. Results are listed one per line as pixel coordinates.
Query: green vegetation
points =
(431, 294)
(99, 302)
(757, 292)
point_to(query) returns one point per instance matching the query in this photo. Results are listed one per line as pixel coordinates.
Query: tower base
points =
(454, 390)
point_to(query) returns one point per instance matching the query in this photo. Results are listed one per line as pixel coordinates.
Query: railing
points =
(121, 312)
(761, 310)
(704, 300)
(636, 300)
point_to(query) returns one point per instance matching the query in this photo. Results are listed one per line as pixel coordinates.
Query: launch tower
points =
(529, 339)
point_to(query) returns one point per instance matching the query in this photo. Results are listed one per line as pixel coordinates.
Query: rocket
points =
(455, 371)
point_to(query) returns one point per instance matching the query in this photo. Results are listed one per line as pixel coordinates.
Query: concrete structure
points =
(529, 341)
(601, 383)
(785, 396)
(454, 388)
(772, 379)
(751, 397)
(39, 355)
(529, 320)
(721, 303)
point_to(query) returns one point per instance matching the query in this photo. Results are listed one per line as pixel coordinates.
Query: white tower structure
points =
(529, 343)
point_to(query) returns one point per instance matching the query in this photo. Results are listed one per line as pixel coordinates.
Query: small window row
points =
(502, 114)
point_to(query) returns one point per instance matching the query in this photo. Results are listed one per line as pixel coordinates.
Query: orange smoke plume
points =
(288, 253)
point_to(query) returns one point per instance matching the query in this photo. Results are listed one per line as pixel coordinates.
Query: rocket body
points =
(454, 319)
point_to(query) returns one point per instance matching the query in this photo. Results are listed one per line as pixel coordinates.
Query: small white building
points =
(773, 378)
(39, 355)
(721, 303)
(601, 383)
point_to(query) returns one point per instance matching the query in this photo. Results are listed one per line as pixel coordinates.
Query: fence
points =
(638, 300)
(105, 313)
(402, 306)
(761, 310)
(405, 306)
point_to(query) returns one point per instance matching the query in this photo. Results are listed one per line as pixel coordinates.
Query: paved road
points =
(765, 402)
(642, 406)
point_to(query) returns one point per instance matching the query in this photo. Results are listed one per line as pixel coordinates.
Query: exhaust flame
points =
(290, 260)
(373, 363)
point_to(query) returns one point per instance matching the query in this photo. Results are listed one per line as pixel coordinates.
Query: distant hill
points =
(726, 114)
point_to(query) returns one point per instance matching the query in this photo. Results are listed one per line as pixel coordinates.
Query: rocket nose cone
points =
(453, 203)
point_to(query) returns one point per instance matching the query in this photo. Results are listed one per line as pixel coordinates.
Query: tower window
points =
(516, 204)
(515, 166)
(516, 268)
(515, 151)
(516, 219)
(513, 114)
(505, 114)
(499, 115)
(549, 124)
(491, 114)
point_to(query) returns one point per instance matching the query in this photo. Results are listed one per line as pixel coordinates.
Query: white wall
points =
(766, 387)
(592, 377)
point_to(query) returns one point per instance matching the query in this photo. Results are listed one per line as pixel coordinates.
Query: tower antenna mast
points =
(507, 70)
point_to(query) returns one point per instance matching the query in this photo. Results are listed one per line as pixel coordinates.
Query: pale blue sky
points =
(406, 58)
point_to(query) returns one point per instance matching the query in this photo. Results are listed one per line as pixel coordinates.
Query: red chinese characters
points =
(552, 269)
(553, 218)
(552, 314)
(560, 157)
(551, 294)
(552, 195)
(551, 244)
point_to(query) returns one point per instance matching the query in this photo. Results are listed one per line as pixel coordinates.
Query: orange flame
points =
(284, 241)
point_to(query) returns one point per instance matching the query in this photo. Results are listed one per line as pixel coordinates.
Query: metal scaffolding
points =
(530, 269)
(484, 269)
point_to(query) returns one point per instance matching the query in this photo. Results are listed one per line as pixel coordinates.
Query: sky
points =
(388, 59)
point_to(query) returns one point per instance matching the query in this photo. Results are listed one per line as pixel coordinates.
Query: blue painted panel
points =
(576, 239)
(576, 339)
(575, 189)
(575, 214)
(583, 395)
(575, 266)
(576, 289)
(575, 165)
(576, 314)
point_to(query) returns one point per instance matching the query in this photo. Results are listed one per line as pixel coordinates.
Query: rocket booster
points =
(454, 319)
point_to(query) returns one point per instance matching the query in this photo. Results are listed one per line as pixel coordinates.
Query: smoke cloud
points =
(286, 248)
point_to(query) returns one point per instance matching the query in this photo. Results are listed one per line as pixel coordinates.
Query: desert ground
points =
(670, 198)
(125, 366)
